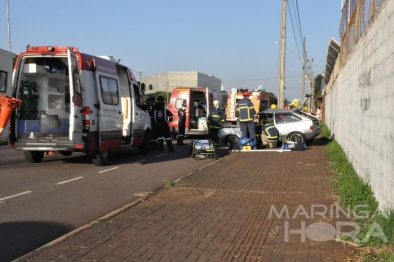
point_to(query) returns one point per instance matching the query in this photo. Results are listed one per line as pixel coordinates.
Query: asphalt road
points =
(41, 202)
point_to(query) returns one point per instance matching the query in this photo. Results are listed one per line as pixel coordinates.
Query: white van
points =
(74, 102)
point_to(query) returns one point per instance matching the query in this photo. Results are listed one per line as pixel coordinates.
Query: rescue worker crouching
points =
(244, 112)
(181, 124)
(161, 118)
(216, 118)
(269, 134)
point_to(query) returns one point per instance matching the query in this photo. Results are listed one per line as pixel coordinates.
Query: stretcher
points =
(201, 149)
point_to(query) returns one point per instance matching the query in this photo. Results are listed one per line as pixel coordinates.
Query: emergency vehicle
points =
(196, 97)
(261, 100)
(73, 102)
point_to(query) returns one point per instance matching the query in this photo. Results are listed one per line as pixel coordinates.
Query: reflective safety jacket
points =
(182, 116)
(216, 117)
(258, 128)
(244, 110)
(270, 131)
(161, 115)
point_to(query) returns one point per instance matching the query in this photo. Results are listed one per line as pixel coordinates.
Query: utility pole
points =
(303, 68)
(282, 57)
(311, 84)
(9, 30)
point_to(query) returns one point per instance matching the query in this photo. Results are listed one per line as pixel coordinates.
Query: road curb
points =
(78, 230)
(105, 217)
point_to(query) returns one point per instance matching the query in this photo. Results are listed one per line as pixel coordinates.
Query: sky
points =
(234, 40)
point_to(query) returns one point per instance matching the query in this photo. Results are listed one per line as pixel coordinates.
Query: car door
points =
(75, 129)
(110, 108)
(5, 88)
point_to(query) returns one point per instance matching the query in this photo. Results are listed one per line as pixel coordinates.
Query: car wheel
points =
(296, 137)
(34, 156)
(232, 142)
(100, 158)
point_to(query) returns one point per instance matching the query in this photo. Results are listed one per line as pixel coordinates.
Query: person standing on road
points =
(244, 112)
(318, 113)
(161, 118)
(151, 104)
(181, 124)
(216, 118)
(269, 134)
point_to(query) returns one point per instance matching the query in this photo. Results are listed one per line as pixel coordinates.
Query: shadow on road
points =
(130, 155)
(19, 238)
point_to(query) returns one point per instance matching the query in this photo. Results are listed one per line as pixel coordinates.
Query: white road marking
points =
(161, 155)
(108, 170)
(139, 161)
(69, 180)
(27, 192)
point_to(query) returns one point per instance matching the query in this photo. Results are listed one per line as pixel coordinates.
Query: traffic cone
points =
(7, 105)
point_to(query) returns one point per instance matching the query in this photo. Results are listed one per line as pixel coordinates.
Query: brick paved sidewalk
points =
(225, 212)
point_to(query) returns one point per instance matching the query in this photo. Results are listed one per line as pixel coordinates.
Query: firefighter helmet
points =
(246, 93)
(216, 103)
(273, 106)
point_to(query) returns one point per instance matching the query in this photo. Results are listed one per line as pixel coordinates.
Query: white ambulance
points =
(73, 102)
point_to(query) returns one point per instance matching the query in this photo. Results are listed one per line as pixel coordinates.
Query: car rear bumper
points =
(312, 135)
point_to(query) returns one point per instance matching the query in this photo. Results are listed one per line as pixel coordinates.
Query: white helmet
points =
(216, 103)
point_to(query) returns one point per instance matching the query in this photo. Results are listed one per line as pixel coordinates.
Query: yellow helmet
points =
(273, 106)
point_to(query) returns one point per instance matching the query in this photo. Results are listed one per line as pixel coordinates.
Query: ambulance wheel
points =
(65, 153)
(144, 148)
(232, 142)
(34, 156)
(101, 158)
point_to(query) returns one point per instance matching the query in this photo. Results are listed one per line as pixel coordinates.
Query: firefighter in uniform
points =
(216, 118)
(161, 118)
(258, 129)
(269, 134)
(181, 124)
(244, 112)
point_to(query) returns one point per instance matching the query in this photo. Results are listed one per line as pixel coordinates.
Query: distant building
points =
(165, 82)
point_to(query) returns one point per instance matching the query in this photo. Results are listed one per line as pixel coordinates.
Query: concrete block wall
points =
(167, 81)
(359, 109)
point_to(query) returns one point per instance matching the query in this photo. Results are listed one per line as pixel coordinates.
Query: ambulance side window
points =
(3, 81)
(109, 90)
(178, 103)
(77, 84)
(137, 96)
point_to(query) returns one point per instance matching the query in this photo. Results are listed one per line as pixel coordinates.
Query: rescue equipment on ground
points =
(200, 149)
(245, 143)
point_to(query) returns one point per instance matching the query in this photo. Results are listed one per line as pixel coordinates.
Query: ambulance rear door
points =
(5, 86)
(75, 129)
(110, 107)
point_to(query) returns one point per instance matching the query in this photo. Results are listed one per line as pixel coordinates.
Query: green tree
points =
(318, 80)
(14, 57)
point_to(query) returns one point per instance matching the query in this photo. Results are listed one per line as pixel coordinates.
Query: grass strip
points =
(357, 195)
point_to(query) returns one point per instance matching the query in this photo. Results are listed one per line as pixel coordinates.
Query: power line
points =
(294, 31)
